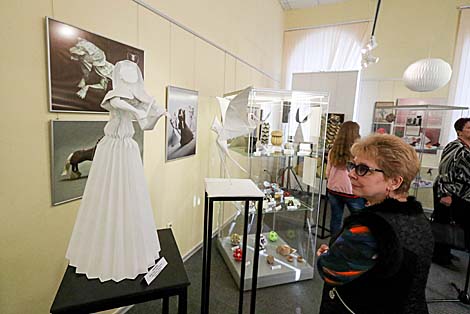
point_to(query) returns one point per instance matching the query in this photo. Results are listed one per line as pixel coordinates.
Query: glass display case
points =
(420, 123)
(283, 156)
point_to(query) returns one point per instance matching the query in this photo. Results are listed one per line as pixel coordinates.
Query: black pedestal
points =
(77, 294)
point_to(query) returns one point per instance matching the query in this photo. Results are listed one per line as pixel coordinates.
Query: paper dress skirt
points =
(114, 237)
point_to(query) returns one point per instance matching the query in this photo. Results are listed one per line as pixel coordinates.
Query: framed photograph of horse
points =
(80, 66)
(181, 128)
(73, 144)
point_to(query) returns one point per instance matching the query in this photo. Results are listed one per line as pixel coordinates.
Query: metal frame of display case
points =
(415, 127)
(278, 103)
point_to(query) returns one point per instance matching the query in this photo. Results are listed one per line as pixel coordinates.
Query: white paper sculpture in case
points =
(114, 236)
(299, 134)
(235, 122)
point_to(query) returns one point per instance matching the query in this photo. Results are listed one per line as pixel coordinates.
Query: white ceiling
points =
(302, 4)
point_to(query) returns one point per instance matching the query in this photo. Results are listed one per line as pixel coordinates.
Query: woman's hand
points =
(322, 249)
(446, 200)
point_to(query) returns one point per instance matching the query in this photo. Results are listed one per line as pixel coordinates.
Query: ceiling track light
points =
(371, 45)
(367, 58)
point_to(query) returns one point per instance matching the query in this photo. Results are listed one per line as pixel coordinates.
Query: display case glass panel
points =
(419, 122)
(284, 157)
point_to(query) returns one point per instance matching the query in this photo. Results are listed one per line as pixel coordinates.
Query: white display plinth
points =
(218, 187)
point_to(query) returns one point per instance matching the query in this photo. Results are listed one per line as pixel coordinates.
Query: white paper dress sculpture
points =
(114, 236)
(235, 122)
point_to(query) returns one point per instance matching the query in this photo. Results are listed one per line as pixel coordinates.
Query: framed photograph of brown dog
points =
(181, 127)
(73, 145)
(80, 66)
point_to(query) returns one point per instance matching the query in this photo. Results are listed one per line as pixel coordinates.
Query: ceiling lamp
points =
(367, 57)
(427, 75)
(371, 44)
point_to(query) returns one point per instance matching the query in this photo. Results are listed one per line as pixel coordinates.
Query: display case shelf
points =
(280, 272)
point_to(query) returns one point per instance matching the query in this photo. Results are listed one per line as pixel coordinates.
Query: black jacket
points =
(396, 284)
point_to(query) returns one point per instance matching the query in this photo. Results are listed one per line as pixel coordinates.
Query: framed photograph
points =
(432, 137)
(383, 128)
(73, 144)
(384, 114)
(181, 128)
(80, 66)
(399, 131)
(412, 130)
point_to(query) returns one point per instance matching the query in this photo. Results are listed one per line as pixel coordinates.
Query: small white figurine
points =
(262, 242)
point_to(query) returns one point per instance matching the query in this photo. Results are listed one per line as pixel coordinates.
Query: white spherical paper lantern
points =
(426, 75)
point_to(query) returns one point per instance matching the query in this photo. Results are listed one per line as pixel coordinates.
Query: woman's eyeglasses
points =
(361, 169)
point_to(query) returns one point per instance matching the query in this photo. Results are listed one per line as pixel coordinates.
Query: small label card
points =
(153, 273)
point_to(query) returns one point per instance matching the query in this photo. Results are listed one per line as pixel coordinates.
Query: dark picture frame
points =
(382, 114)
(181, 127)
(68, 137)
(383, 128)
(80, 66)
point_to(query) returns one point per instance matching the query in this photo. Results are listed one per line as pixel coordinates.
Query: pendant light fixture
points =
(427, 75)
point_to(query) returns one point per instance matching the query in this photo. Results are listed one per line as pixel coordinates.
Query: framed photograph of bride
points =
(181, 128)
(73, 145)
(80, 66)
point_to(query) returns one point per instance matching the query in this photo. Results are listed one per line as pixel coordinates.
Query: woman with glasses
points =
(339, 187)
(379, 262)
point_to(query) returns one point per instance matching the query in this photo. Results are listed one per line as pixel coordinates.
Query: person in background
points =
(452, 188)
(339, 186)
(380, 261)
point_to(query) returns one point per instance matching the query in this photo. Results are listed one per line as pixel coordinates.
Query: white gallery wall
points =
(340, 85)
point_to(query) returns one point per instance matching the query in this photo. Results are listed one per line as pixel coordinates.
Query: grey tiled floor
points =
(299, 298)
(296, 298)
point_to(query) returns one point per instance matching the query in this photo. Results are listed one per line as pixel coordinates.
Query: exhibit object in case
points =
(419, 122)
(287, 169)
(236, 121)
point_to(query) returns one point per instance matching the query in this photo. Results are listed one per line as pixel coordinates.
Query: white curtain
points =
(459, 91)
(329, 48)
